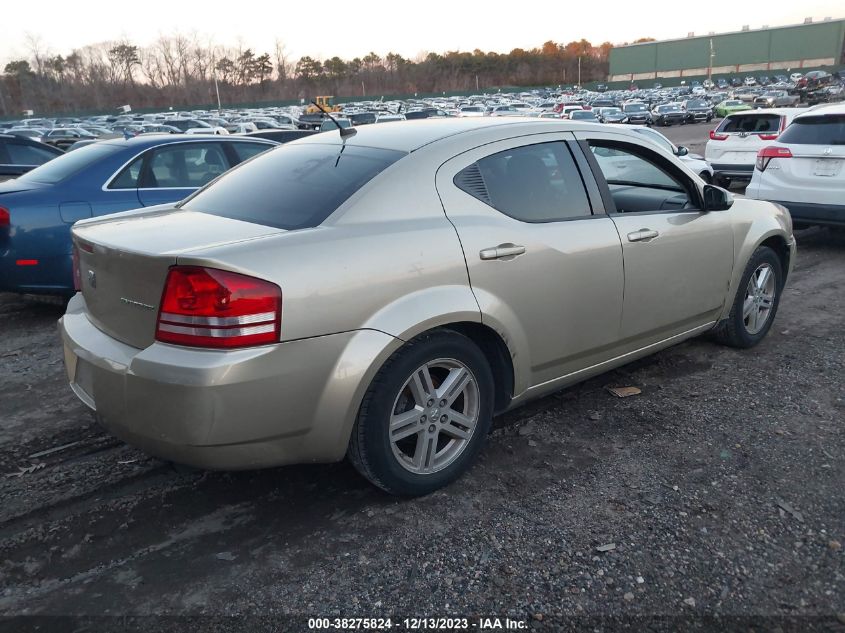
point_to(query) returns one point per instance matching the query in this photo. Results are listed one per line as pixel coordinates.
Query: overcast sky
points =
(323, 29)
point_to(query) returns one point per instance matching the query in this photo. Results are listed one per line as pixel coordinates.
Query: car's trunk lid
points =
(124, 260)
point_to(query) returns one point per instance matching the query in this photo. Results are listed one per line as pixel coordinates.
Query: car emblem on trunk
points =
(828, 151)
(92, 279)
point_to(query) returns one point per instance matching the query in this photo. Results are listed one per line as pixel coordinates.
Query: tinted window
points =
(534, 183)
(751, 124)
(185, 165)
(638, 180)
(20, 154)
(295, 186)
(816, 130)
(66, 165)
(128, 178)
(245, 151)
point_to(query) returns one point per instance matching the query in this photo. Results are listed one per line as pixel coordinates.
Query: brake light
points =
(207, 307)
(5, 217)
(765, 156)
(77, 275)
(716, 136)
(769, 137)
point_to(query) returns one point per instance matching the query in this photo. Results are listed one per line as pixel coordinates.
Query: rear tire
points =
(756, 302)
(426, 415)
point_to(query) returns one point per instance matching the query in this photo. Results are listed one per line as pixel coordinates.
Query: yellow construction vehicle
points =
(325, 102)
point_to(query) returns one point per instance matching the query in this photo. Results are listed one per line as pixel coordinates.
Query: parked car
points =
(805, 169)
(39, 207)
(722, 84)
(776, 99)
(813, 80)
(63, 137)
(697, 111)
(694, 162)
(472, 111)
(582, 115)
(637, 113)
(733, 145)
(668, 114)
(750, 81)
(19, 154)
(195, 126)
(729, 106)
(230, 299)
(795, 77)
(612, 115)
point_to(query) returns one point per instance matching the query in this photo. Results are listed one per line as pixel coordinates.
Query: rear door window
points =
(828, 129)
(245, 151)
(532, 183)
(294, 186)
(185, 165)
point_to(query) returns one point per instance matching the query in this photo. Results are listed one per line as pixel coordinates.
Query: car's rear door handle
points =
(501, 251)
(642, 235)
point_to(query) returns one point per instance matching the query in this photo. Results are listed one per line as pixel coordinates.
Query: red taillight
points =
(765, 156)
(207, 307)
(5, 217)
(716, 136)
(77, 276)
(768, 137)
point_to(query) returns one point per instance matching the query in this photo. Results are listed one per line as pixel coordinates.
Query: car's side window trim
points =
(647, 154)
(593, 194)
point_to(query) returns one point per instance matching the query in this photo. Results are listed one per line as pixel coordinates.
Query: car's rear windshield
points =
(751, 123)
(68, 164)
(292, 187)
(828, 129)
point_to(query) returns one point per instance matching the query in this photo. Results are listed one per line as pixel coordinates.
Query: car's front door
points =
(544, 262)
(678, 258)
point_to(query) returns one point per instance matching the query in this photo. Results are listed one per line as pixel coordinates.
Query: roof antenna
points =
(344, 131)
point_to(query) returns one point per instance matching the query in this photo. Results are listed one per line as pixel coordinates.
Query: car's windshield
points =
(696, 104)
(635, 107)
(66, 165)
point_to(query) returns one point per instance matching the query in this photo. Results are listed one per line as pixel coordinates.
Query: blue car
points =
(38, 208)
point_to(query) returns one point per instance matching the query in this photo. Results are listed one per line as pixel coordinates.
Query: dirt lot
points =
(720, 487)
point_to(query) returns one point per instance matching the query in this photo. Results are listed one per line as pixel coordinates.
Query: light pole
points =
(710, 65)
(579, 71)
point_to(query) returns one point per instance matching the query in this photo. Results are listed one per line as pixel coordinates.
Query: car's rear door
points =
(678, 258)
(544, 261)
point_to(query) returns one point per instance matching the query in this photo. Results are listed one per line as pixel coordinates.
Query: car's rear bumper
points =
(737, 171)
(827, 214)
(294, 402)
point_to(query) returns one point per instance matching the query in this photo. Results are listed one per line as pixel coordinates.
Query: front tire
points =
(756, 302)
(426, 415)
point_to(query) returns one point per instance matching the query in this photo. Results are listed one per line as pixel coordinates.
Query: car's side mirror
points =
(681, 151)
(716, 198)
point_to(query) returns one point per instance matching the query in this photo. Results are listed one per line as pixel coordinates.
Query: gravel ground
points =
(716, 493)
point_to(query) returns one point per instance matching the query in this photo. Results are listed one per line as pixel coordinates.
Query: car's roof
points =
(138, 142)
(414, 134)
(787, 111)
(827, 108)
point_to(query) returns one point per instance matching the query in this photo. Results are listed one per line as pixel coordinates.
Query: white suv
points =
(733, 145)
(805, 170)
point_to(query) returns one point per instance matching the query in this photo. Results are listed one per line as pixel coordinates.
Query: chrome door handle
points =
(501, 251)
(642, 235)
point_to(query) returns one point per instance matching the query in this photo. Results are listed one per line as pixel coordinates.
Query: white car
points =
(796, 77)
(473, 110)
(695, 162)
(805, 170)
(733, 145)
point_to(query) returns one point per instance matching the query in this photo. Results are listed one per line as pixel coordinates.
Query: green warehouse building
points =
(795, 48)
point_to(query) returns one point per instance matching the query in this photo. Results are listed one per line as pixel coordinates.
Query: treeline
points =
(180, 70)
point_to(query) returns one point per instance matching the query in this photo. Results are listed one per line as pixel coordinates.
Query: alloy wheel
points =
(434, 416)
(759, 298)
